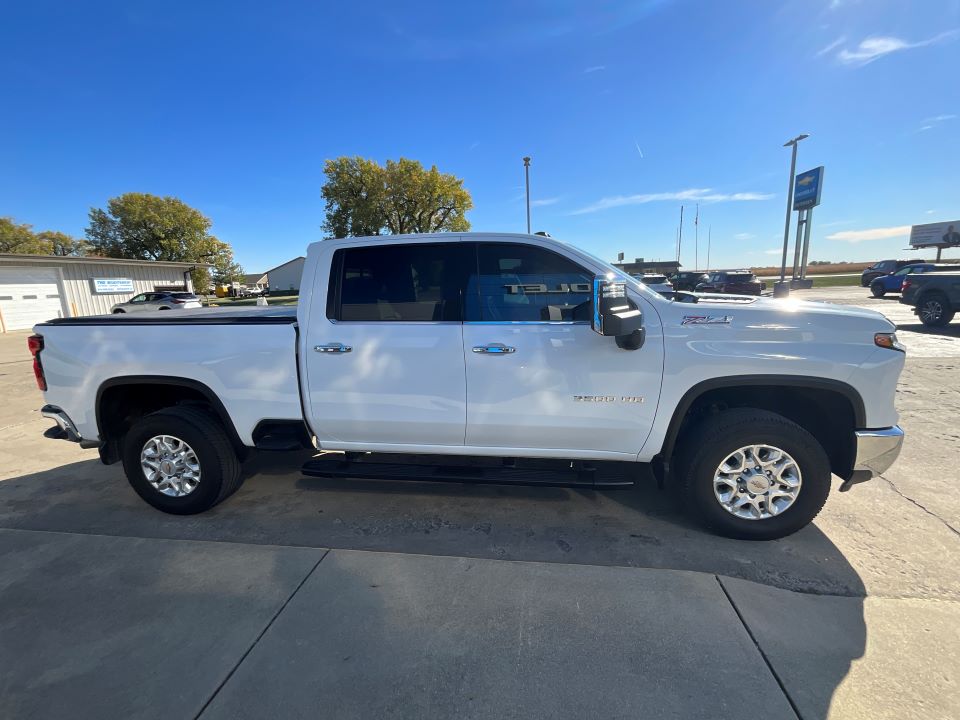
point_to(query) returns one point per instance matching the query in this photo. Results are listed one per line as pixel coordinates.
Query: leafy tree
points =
(225, 269)
(63, 244)
(20, 238)
(365, 198)
(147, 227)
(354, 194)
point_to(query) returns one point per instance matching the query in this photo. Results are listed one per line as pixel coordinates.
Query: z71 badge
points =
(706, 320)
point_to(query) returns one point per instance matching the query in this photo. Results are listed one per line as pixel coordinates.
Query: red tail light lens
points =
(178, 302)
(35, 345)
(906, 285)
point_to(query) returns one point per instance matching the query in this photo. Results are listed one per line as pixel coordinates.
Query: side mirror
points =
(614, 314)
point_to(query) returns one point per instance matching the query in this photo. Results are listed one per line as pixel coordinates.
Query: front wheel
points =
(753, 475)
(180, 460)
(934, 310)
(878, 290)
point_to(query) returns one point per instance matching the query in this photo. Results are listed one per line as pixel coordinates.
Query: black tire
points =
(877, 289)
(934, 309)
(710, 442)
(118, 311)
(164, 308)
(219, 465)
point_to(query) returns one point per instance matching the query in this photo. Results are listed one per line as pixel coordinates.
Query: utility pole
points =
(696, 239)
(680, 236)
(709, 237)
(526, 170)
(786, 225)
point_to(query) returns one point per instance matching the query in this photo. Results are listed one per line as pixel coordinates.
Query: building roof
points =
(60, 259)
(254, 278)
(299, 257)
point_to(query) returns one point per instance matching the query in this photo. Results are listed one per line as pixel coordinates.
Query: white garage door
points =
(29, 295)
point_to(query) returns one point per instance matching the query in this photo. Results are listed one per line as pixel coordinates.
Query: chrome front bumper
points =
(876, 452)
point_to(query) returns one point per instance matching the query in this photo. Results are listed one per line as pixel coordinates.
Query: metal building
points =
(35, 288)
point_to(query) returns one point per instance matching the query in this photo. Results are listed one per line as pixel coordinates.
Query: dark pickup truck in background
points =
(935, 297)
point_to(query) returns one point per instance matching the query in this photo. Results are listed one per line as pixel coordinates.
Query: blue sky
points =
(629, 109)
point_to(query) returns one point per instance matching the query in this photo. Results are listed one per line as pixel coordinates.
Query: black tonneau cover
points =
(198, 316)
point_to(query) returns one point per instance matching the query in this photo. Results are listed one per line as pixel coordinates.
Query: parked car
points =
(157, 301)
(688, 279)
(884, 267)
(732, 282)
(507, 358)
(893, 282)
(659, 283)
(935, 297)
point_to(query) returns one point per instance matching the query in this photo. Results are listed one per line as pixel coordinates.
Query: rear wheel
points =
(878, 290)
(934, 310)
(753, 475)
(180, 460)
(119, 311)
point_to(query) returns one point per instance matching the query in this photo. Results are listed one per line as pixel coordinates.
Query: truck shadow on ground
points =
(635, 526)
(952, 330)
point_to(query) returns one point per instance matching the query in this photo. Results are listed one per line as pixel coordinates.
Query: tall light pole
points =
(526, 170)
(786, 224)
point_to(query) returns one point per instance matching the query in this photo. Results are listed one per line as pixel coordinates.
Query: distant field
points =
(833, 268)
(817, 269)
(845, 281)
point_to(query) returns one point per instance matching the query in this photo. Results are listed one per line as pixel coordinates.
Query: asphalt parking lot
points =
(305, 596)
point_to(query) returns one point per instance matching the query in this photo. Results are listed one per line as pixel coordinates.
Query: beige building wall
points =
(77, 285)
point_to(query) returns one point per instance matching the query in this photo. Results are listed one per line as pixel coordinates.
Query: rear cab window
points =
(420, 282)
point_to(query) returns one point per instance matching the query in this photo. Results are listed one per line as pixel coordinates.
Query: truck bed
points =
(246, 357)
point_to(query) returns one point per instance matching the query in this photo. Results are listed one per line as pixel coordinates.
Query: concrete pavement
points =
(872, 633)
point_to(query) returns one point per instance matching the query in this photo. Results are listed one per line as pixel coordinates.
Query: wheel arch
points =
(829, 409)
(121, 398)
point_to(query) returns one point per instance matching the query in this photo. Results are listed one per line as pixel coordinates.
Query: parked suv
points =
(157, 301)
(935, 297)
(732, 282)
(884, 267)
(655, 282)
(894, 281)
(688, 279)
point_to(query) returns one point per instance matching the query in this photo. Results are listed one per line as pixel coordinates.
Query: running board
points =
(582, 474)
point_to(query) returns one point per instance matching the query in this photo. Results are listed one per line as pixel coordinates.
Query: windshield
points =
(184, 295)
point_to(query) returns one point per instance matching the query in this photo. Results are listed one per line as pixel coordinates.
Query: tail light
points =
(177, 302)
(906, 285)
(35, 344)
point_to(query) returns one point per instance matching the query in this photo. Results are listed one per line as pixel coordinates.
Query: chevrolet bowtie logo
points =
(805, 180)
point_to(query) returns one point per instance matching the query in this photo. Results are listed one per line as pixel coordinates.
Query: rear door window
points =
(399, 283)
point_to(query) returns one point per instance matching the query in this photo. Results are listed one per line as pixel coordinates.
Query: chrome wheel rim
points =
(170, 465)
(931, 311)
(757, 482)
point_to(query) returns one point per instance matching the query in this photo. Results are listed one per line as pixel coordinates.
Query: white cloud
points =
(704, 195)
(873, 48)
(940, 118)
(930, 212)
(832, 46)
(544, 201)
(855, 236)
(744, 236)
(773, 251)
(594, 68)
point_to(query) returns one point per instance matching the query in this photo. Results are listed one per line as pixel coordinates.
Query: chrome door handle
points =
(332, 348)
(494, 349)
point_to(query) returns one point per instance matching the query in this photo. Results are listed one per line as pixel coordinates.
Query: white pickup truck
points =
(505, 358)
